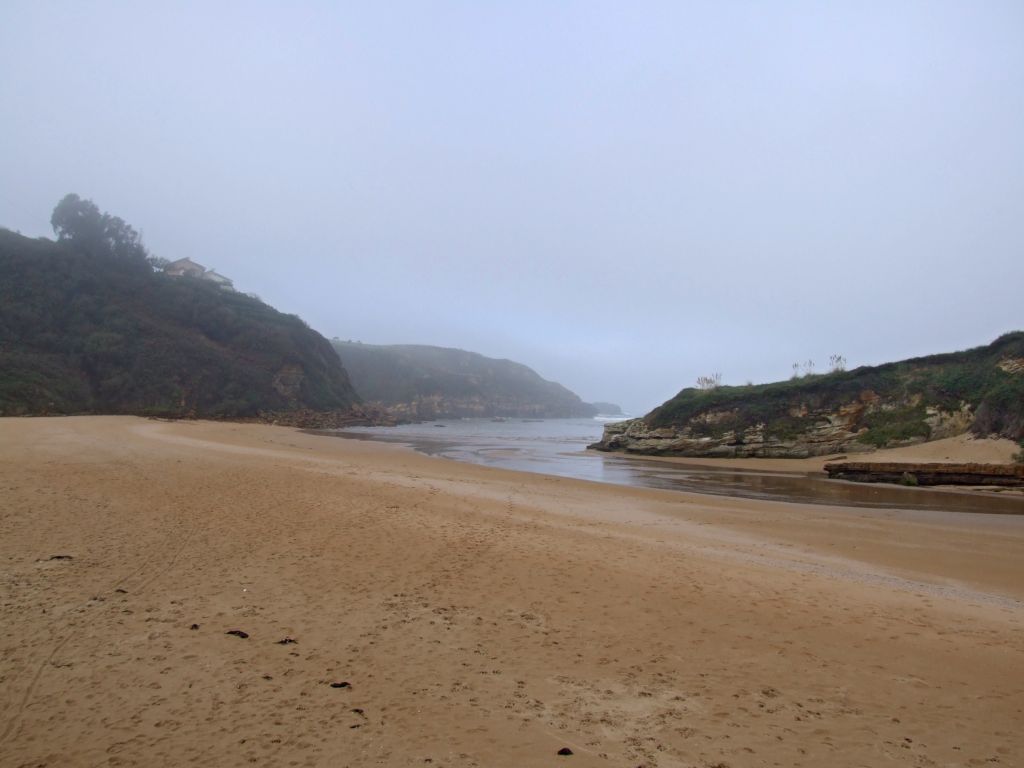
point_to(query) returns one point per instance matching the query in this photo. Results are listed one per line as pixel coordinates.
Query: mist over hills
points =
(87, 326)
(93, 323)
(425, 382)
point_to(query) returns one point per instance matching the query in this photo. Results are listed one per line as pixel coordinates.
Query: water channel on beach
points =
(558, 447)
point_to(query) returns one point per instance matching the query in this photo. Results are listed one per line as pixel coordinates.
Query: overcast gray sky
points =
(623, 196)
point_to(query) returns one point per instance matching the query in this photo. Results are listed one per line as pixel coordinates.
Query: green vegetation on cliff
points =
(892, 402)
(87, 326)
(439, 382)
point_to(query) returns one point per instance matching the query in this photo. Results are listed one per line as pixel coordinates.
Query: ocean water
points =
(558, 447)
(548, 446)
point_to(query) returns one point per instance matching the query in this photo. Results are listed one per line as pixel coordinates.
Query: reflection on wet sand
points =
(816, 488)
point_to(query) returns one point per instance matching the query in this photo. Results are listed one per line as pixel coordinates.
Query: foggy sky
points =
(623, 196)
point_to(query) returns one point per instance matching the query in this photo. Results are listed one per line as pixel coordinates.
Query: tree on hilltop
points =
(81, 223)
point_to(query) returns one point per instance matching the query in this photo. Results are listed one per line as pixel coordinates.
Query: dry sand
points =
(480, 617)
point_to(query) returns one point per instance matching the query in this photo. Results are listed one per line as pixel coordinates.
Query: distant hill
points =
(436, 382)
(608, 409)
(980, 390)
(85, 328)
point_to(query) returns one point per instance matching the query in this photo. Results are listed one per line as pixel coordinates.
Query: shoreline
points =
(798, 481)
(480, 616)
(962, 449)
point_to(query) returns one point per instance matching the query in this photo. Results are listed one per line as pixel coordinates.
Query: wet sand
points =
(557, 447)
(478, 616)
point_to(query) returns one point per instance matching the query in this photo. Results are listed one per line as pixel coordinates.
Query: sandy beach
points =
(400, 610)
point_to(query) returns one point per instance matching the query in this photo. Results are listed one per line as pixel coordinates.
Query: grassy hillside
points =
(989, 380)
(84, 331)
(436, 382)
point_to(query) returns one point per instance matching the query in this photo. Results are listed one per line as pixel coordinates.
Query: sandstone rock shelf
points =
(1008, 475)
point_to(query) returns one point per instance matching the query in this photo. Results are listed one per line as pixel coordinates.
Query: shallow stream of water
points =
(558, 447)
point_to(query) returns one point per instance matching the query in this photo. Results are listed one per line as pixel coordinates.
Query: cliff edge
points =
(979, 390)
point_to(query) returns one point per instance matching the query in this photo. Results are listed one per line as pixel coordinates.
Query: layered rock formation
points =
(828, 432)
(980, 390)
(904, 473)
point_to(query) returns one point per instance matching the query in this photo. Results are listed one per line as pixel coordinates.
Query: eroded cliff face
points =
(827, 432)
(979, 390)
(287, 382)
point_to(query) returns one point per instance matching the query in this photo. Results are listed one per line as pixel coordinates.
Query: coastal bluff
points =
(978, 391)
(416, 382)
(85, 329)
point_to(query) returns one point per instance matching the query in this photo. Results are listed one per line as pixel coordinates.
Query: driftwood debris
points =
(1007, 475)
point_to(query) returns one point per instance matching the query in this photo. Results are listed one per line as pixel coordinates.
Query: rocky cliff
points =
(979, 390)
(422, 382)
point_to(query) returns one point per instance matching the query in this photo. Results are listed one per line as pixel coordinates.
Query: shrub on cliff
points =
(977, 377)
(80, 223)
